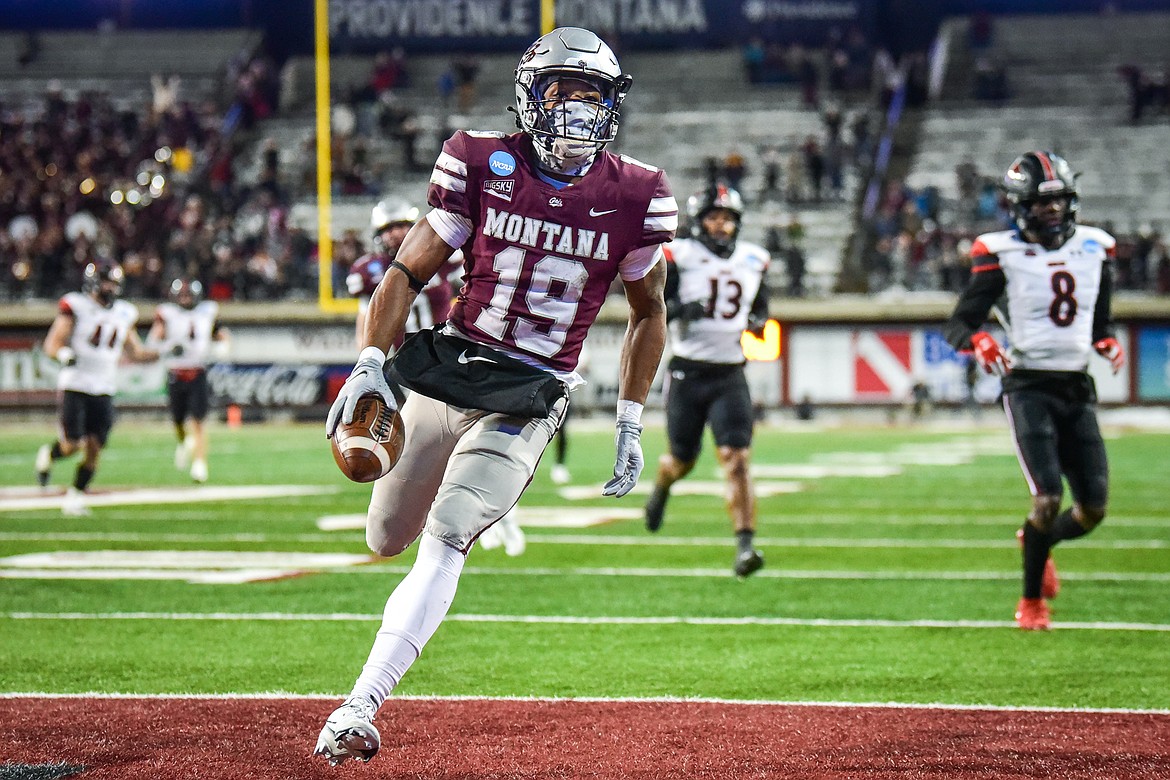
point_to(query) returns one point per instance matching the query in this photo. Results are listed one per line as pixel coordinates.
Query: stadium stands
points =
(1068, 98)
(686, 107)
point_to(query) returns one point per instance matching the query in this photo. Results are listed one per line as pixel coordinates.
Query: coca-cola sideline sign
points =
(249, 384)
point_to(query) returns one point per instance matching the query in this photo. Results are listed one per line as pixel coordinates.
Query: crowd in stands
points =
(85, 177)
(924, 239)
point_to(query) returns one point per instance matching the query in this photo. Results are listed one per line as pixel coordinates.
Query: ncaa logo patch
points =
(501, 188)
(1092, 245)
(502, 164)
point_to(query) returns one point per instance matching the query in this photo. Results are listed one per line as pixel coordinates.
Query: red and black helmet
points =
(1036, 176)
(187, 292)
(103, 280)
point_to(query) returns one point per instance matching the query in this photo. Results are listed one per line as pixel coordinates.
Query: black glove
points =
(692, 310)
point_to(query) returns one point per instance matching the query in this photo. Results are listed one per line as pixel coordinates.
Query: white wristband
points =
(629, 411)
(370, 354)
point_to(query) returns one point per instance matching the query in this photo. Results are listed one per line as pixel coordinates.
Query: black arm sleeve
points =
(970, 312)
(759, 312)
(1103, 315)
(673, 303)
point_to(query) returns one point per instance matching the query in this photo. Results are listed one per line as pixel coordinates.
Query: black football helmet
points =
(187, 292)
(1035, 176)
(719, 196)
(103, 280)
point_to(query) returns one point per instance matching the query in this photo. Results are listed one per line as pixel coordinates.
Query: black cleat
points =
(748, 562)
(655, 507)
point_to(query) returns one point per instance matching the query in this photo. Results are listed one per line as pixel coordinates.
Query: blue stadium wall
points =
(363, 26)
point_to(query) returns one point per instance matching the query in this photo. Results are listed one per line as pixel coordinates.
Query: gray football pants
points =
(460, 471)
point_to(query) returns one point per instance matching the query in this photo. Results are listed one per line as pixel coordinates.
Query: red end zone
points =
(117, 739)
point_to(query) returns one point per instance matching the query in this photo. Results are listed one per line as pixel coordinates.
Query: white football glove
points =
(66, 356)
(628, 465)
(365, 379)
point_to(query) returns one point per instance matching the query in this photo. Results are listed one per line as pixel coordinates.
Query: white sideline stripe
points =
(693, 487)
(527, 516)
(10, 502)
(885, 705)
(764, 541)
(83, 536)
(779, 574)
(667, 620)
(379, 570)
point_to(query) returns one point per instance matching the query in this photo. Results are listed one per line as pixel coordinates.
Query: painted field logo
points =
(501, 188)
(502, 164)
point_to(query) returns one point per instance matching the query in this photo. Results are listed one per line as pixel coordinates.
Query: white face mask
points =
(575, 123)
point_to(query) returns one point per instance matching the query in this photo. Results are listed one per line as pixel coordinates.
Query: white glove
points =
(365, 379)
(628, 465)
(66, 356)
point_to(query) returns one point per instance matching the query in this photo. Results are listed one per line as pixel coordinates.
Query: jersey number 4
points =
(99, 335)
(536, 319)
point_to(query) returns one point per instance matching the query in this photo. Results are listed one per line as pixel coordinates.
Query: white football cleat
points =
(512, 535)
(559, 474)
(73, 504)
(199, 471)
(491, 538)
(183, 455)
(349, 732)
(44, 464)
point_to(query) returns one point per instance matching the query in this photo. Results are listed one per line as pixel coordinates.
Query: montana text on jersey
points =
(567, 245)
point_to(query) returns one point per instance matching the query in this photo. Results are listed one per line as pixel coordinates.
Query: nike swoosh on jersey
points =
(595, 213)
(464, 359)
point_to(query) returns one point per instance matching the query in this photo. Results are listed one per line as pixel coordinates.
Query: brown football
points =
(368, 448)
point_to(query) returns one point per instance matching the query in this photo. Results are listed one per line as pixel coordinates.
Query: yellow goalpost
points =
(325, 300)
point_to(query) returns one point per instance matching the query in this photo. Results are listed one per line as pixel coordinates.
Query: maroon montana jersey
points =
(365, 275)
(540, 260)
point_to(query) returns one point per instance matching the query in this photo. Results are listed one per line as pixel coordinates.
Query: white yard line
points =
(890, 705)
(19, 499)
(665, 620)
(594, 540)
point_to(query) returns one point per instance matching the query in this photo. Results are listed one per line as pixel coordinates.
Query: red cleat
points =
(1050, 583)
(1032, 615)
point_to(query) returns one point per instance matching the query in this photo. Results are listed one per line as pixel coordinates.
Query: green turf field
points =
(896, 588)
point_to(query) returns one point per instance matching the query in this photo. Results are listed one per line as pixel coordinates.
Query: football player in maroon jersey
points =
(1048, 395)
(390, 221)
(546, 220)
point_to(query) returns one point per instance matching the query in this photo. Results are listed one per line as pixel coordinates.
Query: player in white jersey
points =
(186, 331)
(714, 292)
(89, 336)
(1057, 277)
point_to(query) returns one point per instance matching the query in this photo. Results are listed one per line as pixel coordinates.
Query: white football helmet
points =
(391, 211)
(569, 134)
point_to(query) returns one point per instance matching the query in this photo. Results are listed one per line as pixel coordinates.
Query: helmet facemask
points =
(187, 293)
(388, 214)
(702, 203)
(1036, 178)
(104, 282)
(567, 132)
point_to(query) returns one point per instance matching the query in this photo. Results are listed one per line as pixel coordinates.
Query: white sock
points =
(413, 614)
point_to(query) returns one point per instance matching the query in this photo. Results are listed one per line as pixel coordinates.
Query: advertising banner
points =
(1153, 364)
(367, 26)
(850, 365)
